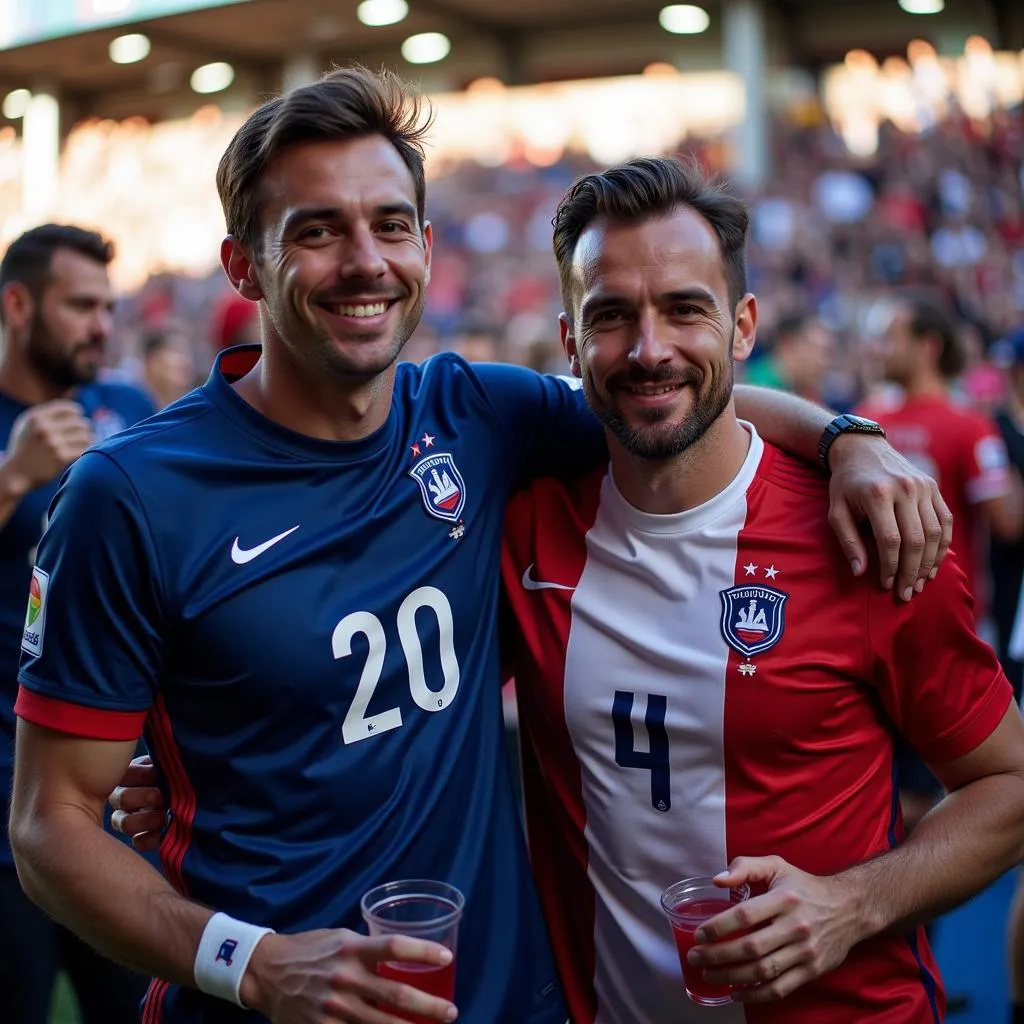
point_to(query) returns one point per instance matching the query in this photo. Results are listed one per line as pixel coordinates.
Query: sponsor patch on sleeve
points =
(35, 616)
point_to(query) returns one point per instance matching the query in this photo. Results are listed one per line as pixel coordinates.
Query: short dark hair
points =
(927, 318)
(792, 325)
(345, 103)
(157, 339)
(29, 257)
(650, 187)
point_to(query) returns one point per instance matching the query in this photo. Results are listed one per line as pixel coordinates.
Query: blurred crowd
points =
(831, 235)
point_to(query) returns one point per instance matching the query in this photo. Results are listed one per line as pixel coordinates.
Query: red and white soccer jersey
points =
(700, 686)
(964, 453)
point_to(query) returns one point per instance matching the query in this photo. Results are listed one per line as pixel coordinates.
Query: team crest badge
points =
(753, 618)
(441, 486)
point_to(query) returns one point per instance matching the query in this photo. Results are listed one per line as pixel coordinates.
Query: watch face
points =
(860, 421)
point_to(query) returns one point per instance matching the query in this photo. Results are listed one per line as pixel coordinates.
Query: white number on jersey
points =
(357, 725)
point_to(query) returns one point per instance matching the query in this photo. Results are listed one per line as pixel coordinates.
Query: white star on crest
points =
(428, 441)
(751, 568)
(771, 572)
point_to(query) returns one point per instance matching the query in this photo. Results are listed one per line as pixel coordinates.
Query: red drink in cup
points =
(436, 981)
(688, 904)
(422, 909)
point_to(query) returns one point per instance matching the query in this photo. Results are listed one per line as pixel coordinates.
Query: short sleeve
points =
(941, 685)
(987, 469)
(548, 426)
(91, 650)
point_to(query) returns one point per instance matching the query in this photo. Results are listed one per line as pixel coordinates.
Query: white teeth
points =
(375, 310)
(652, 391)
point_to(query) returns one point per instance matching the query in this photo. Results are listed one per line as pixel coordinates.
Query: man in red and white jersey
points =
(957, 446)
(702, 685)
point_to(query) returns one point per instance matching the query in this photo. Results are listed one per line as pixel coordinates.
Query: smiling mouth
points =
(651, 390)
(358, 310)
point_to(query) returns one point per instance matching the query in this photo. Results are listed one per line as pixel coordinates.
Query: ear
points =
(238, 264)
(17, 306)
(428, 251)
(568, 338)
(745, 328)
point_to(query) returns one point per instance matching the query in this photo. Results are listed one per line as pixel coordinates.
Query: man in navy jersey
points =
(289, 580)
(55, 308)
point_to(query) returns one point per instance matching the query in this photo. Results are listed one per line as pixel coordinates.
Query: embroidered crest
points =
(441, 486)
(753, 618)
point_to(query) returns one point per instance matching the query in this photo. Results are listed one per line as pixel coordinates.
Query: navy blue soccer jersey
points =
(307, 631)
(111, 407)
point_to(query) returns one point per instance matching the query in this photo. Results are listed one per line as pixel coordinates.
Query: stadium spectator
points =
(352, 510)
(797, 359)
(55, 310)
(167, 367)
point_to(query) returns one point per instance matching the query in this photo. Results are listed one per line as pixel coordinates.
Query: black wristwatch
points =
(845, 424)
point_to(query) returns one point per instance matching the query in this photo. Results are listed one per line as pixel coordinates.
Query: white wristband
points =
(223, 955)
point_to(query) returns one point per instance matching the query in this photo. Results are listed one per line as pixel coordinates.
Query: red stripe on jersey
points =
(176, 842)
(556, 557)
(78, 720)
(152, 1005)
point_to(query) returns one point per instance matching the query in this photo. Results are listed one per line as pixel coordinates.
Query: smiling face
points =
(652, 333)
(345, 261)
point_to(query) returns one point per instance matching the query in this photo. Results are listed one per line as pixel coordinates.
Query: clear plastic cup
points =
(422, 909)
(688, 904)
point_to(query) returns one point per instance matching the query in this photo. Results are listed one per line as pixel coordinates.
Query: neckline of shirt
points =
(224, 397)
(693, 518)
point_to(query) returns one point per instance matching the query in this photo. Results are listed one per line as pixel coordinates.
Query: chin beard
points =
(660, 441)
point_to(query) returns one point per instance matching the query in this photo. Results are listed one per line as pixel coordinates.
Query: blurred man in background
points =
(798, 359)
(168, 370)
(55, 309)
(961, 449)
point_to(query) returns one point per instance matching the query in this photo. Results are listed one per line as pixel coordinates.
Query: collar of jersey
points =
(693, 518)
(221, 394)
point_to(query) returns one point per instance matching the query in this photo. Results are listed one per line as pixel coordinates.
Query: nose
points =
(650, 348)
(103, 323)
(362, 258)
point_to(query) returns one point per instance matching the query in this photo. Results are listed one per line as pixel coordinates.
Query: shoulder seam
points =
(118, 442)
(145, 518)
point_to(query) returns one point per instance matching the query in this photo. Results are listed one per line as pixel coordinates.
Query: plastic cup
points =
(422, 909)
(688, 904)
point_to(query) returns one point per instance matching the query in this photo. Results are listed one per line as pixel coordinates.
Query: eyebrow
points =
(308, 213)
(602, 302)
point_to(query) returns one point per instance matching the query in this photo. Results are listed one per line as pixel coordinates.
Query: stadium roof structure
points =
(518, 41)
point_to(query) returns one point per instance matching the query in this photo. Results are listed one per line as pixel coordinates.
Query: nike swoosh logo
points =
(529, 583)
(240, 555)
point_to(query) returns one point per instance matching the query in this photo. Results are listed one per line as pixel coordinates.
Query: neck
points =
(926, 384)
(322, 406)
(705, 469)
(19, 381)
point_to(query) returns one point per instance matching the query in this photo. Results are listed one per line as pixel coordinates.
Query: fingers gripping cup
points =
(422, 909)
(688, 904)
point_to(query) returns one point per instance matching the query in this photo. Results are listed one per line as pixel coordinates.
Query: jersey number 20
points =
(358, 725)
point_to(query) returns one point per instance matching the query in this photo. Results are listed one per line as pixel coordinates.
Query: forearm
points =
(13, 488)
(967, 841)
(106, 893)
(790, 423)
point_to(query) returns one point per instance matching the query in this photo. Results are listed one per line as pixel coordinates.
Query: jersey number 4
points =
(360, 726)
(655, 758)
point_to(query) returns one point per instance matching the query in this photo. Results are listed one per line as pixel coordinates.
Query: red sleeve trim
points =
(78, 720)
(978, 729)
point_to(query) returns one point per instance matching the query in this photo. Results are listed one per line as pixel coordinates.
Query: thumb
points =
(750, 870)
(842, 522)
